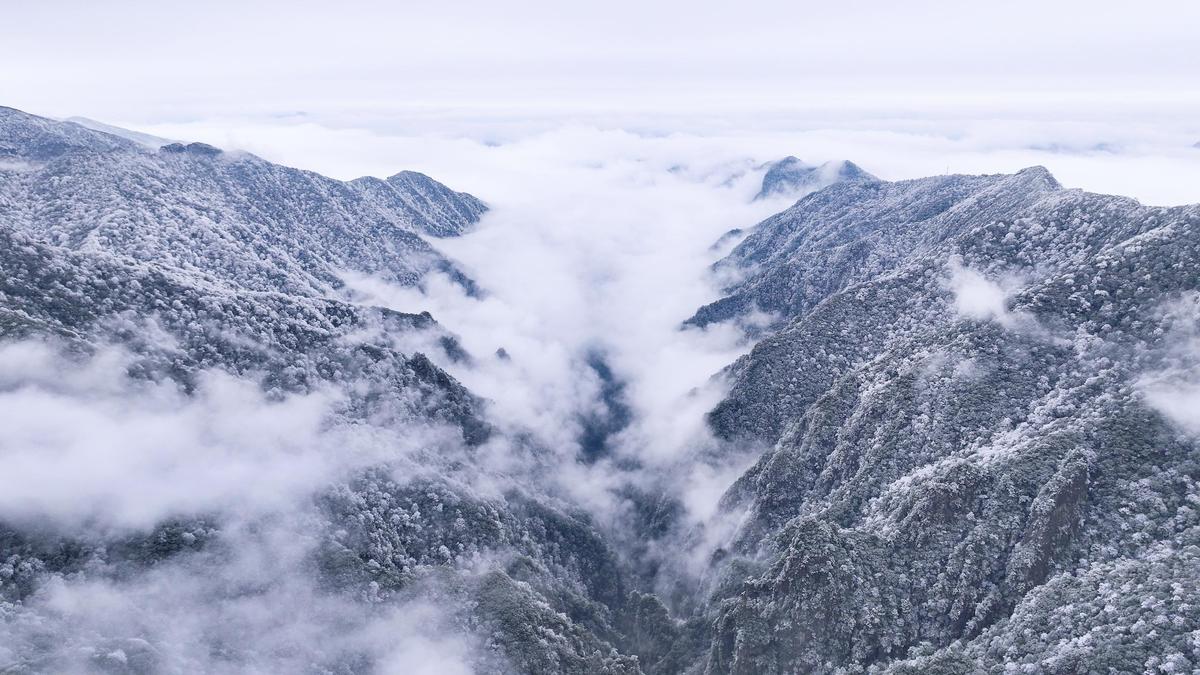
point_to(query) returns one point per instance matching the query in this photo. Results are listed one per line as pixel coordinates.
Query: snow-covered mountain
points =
(972, 400)
(154, 287)
(226, 217)
(792, 178)
(977, 457)
(860, 230)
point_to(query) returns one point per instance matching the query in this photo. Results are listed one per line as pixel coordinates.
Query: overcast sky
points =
(1107, 94)
(155, 60)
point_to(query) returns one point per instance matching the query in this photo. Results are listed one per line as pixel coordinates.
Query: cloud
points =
(598, 241)
(598, 246)
(83, 444)
(8, 164)
(1178, 401)
(976, 296)
(1173, 389)
(249, 605)
(979, 298)
(95, 456)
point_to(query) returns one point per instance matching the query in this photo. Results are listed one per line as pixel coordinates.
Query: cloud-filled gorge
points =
(587, 279)
(624, 418)
(159, 517)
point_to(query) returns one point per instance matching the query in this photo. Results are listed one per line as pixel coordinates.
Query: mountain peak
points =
(848, 170)
(793, 178)
(1041, 174)
(411, 176)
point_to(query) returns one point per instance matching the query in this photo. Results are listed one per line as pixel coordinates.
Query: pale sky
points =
(154, 61)
(1104, 93)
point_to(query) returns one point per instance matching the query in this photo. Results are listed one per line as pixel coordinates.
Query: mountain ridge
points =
(79, 185)
(945, 452)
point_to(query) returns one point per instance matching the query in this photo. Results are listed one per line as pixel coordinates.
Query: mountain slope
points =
(177, 330)
(226, 217)
(860, 229)
(148, 140)
(962, 405)
(382, 533)
(145, 291)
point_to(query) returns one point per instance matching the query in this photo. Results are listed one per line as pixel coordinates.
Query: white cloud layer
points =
(596, 250)
(251, 606)
(83, 445)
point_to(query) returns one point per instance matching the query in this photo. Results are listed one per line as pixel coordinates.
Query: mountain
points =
(188, 281)
(224, 217)
(440, 211)
(178, 329)
(978, 455)
(971, 403)
(859, 230)
(374, 535)
(790, 177)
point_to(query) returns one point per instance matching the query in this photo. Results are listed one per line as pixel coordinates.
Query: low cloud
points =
(95, 456)
(248, 606)
(597, 248)
(976, 296)
(84, 444)
(1178, 401)
(13, 165)
(1174, 388)
(980, 298)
